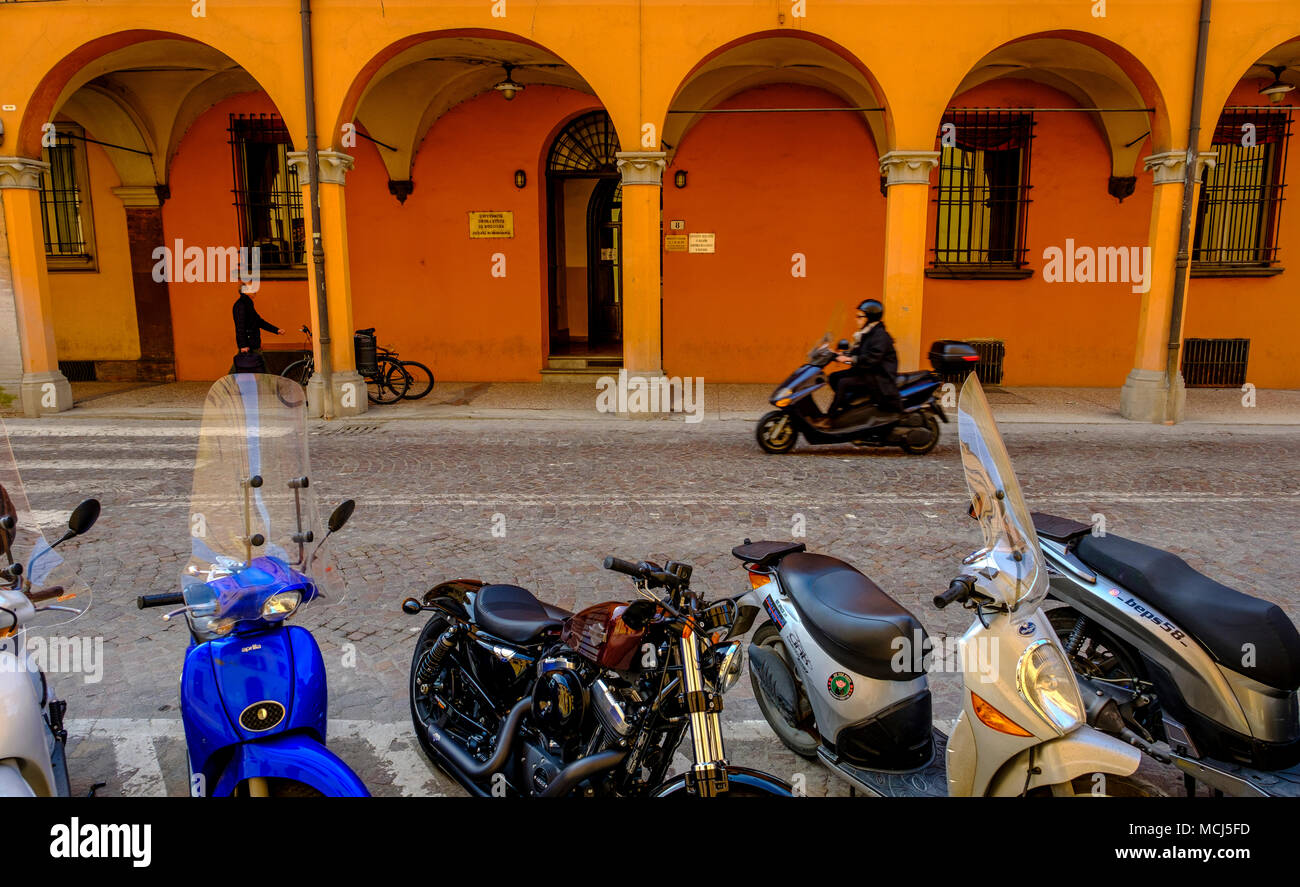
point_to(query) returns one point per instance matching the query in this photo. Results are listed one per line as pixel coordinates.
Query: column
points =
(43, 388)
(349, 388)
(642, 173)
(153, 308)
(1144, 395)
(907, 176)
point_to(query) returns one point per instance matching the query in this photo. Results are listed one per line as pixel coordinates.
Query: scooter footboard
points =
(295, 757)
(1057, 761)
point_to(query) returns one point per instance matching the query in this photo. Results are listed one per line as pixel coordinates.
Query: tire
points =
(299, 371)
(421, 379)
(932, 425)
(797, 739)
(776, 432)
(389, 384)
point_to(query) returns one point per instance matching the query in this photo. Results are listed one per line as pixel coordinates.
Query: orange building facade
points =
(515, 191)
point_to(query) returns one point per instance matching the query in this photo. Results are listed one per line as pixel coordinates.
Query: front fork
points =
(708, 775)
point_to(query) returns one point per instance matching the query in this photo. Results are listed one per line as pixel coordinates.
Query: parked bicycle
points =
(386, 380)
(421, 377)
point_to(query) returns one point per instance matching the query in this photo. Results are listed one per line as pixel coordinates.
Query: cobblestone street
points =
(1224, 497)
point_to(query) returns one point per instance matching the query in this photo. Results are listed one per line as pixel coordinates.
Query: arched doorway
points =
(585, 249)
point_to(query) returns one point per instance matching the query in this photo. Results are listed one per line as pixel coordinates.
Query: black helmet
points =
(873, 309)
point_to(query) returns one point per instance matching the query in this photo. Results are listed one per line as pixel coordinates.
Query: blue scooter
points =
(915, 431)
(253, 696)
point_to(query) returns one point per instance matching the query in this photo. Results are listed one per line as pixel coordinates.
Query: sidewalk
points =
(576, 402)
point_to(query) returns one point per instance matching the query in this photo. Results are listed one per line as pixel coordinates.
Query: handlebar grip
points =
(46, 594)
(166, 599)
(618, 565)
(958, 590)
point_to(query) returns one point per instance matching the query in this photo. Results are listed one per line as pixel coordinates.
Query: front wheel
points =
(421, 379)
(801, 739)
(776, 432)
(299, 371)
(1102, 785)
(923, 438)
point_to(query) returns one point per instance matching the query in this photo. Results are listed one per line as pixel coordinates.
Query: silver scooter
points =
(1194, 673)
(33, 579)
(839, 670)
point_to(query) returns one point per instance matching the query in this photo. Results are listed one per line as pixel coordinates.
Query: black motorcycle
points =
(516, 697)
(915, 431)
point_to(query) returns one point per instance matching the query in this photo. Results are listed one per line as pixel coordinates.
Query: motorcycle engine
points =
(559, 699)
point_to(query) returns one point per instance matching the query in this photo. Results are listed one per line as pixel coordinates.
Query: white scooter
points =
(839, 671)
(33, 579)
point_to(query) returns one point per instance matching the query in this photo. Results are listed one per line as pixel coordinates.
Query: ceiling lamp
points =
(1278, 89)
(508, 87)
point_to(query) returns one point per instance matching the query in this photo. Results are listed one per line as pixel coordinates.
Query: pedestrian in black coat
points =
(248, 334)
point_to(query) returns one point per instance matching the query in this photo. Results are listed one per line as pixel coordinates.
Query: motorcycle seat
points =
(1222, 619)
(850, 617)
(514, 614)
(905, 379)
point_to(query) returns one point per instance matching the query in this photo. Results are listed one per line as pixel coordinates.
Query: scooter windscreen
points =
(255, 527)
(1010, 546)
(32, 573)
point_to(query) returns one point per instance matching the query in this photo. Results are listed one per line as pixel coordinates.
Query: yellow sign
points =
(701, 243)
(675, 243)
(491, 224)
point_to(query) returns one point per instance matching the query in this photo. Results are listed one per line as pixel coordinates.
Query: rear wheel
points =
(776, 432)
(930, 425)
(421, 379)
(801, 739)
(389, 384)
(299, 371)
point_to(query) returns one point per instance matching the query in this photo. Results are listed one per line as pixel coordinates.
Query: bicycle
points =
(387, 384)
(420, 376)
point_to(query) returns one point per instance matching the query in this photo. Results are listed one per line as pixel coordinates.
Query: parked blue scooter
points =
(253, 697)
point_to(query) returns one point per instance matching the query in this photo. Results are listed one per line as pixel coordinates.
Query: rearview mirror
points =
(341, 514)
(83, 517)
(843, 345)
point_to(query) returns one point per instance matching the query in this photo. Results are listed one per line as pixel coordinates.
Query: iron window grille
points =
(982, 196)
(1241, 195)
(268, 199)
(66, 221)
(587, 146)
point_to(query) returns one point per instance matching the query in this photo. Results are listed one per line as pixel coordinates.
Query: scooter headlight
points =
(281, 605)
(1046, 682)
(728, 663)
(782, 398)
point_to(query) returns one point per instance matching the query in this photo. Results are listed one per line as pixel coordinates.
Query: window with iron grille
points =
(1241, 195)
(66, 219)
(982, 195)
(268, 200)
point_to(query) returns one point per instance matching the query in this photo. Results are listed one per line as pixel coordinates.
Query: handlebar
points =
(959, 589)
(646, 572)
(166, 599)
(618, 565)
(46, 594)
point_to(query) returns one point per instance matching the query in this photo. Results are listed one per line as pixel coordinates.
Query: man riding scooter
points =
(873, 370)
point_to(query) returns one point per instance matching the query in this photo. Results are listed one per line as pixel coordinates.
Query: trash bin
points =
(366, 352)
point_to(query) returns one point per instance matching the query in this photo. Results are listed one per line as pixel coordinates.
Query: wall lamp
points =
(679, 178)
(521, 178)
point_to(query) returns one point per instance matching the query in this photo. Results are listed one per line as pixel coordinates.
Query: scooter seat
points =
(514, 614)
(851, 618)
(1222, 619)
(903, 380)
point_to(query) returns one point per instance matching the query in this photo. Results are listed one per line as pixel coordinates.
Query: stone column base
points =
(349, 394)
(1142, 398)
(44, 393)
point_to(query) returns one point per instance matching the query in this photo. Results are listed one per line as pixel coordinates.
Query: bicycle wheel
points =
(389, 384)
(300, 371)
(421, 379)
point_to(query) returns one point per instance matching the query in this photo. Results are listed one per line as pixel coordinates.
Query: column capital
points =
(1170, 167)
(333, 166)
(641, 167)
(138, 196)
(21, 172)
(908, 167)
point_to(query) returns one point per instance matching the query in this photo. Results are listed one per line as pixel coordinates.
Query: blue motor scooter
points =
(253, 697)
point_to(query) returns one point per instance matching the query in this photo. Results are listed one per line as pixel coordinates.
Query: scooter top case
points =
(1224, 663)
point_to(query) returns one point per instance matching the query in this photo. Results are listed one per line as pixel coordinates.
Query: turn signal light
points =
(758, 580)
(995, 719)
(783, 402)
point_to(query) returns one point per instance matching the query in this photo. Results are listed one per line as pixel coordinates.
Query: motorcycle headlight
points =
(281, 606)
(727, 666)
(1046, 682)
